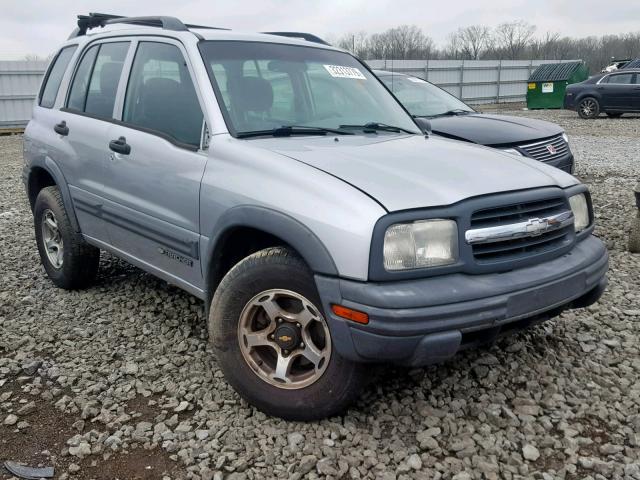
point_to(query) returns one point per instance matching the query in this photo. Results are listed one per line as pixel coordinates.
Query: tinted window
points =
(56, 72)
(622, 79)
(96, 82)
(78, 92)
(105, 78)
(161, 96)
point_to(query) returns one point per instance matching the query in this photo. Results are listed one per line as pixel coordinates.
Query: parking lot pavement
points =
(118, 380)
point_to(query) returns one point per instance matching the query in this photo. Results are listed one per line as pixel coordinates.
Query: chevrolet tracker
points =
(277, 179)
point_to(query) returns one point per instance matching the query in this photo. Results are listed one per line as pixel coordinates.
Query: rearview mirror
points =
(424, 124)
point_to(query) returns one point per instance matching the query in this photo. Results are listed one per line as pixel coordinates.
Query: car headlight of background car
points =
(425, 243)
(580, 209)
(565, 137)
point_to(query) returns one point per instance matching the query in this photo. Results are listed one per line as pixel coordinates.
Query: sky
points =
(38, 26)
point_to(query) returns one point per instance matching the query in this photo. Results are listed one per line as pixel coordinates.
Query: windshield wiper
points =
(373, 127)
(448, 113)
(288, 130)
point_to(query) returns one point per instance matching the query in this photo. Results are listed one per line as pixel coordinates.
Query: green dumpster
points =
(548, 82)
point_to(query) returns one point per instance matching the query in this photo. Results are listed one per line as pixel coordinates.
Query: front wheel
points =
(273, 343)
(589, 108)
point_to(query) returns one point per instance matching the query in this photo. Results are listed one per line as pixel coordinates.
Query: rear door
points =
(636, 93)
(152, 186)
(88, 111)
(617, 92)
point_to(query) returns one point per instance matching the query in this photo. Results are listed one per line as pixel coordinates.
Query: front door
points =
(151, 191)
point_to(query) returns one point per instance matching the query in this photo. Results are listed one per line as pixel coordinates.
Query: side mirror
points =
(424, 124)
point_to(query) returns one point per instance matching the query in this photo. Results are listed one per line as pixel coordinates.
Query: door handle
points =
(120, 146)
(61, 128)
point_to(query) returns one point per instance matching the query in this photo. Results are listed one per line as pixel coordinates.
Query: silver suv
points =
(278, 180)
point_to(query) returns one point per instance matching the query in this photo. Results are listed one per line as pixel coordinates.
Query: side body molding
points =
(283, 226)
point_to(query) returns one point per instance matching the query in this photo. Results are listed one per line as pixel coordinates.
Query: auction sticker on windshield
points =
(338, 71)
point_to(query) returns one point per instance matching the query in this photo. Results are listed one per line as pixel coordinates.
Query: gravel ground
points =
(118, 382)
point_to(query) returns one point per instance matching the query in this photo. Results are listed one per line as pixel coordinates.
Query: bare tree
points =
(472, 41)
(32, 57)
(356, 42)
(409, 42)
(546, 46)
(512, 38)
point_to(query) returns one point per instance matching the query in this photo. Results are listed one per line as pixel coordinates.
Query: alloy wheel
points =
(284, 339)
(588, 107)
(52, 238)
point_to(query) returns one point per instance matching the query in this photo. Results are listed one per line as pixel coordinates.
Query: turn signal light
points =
(350, 314)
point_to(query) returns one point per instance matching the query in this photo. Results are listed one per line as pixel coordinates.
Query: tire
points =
(73, 264)
(254, 282)
(588, 108)
(634, 235)
(614, 114)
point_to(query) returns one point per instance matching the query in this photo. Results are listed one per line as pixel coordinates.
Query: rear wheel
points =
(69, 261)
(273, 342)
(589, 108)
(614, 114)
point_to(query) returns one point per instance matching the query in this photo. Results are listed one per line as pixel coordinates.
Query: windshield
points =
(421, 98)
(265, 86)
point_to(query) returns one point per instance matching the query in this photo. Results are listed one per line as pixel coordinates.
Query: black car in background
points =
(452, 118)
(613, 93)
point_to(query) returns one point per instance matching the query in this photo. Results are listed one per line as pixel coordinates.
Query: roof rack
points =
(94, 20)
(309, 37)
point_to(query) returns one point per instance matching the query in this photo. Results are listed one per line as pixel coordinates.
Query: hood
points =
(411, 171)
(493, 130)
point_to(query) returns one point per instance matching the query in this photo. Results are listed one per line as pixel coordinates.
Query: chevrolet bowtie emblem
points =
(285, 338)
(537, 226)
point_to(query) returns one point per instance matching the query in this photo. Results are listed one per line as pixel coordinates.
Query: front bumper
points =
(424, 321)
(566, 163)
(569, 102)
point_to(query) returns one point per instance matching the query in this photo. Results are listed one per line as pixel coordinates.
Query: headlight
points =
(565, 137)
(512, 151)
(425, 243)
(580, 209)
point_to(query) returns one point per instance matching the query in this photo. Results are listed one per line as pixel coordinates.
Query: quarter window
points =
(161, 96)
(96, 81)
(54, 78)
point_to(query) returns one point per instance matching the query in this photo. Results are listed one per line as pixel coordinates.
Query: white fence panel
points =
(473, 81)
(19, 85)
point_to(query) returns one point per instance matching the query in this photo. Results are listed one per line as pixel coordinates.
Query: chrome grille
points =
(540, 150)
(509, 249)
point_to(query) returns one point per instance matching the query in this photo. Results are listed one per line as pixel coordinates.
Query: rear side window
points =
(161, 96)
(96, 81)
(54, 77)
(623, 79)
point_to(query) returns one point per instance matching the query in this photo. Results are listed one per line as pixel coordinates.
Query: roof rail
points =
(309, 37)
(94, 20)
